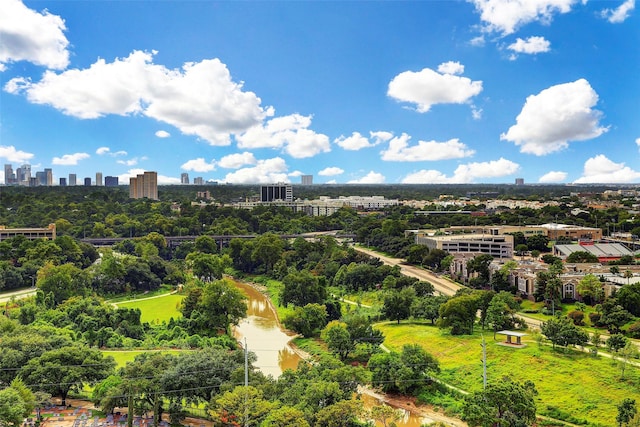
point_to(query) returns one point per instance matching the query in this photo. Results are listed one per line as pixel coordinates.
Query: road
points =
(20, 293)
(441, 285)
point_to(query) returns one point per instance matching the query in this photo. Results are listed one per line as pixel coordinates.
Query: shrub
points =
(577, 317)
(595, 319)
(634, 330)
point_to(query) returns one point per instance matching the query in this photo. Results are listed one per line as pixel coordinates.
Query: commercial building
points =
(144, 186)
(110, 181)
(276, 192)
(573, 232)
(9, 175)
(72, 179)
(184, 178)
(63, 182)
(198, 180)
(499, 246)
(87, 182)
(605, 252)
(306, 179)
(99, 179)
(30, 233)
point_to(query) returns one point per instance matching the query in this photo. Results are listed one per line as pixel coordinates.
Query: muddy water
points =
(266, 339)
(264, 336)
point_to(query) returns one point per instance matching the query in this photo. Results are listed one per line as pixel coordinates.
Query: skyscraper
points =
(9, 176)
(99, 179)
(306, 179)
(144, 186)
(110, 181)
(87, 182)
(72, 179)
(63, 182)
(48, 176)
(184, 178)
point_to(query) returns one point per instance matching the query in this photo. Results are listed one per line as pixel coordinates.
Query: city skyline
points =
(476, 91)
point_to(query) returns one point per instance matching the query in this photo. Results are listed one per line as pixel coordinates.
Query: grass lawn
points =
(156, 310)
(572, 386)
(122, 357)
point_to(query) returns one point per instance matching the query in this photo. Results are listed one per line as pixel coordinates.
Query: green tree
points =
(582, 257)
(385, 415)
(267, 250)
(338, 339)
(503, 403)
(12, 408)
(397, 304)
(244, 405)
(428, 307)
(562, 332)
(208, 267)
(62, 281)
(62, 370)
(402, 372)
(459, 313)
(589, 287)
(626, 411)
(285, 416)
(302, 287)
(344, 413)
(501, 313)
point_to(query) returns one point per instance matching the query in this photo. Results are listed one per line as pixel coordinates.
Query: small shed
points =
(509, 338)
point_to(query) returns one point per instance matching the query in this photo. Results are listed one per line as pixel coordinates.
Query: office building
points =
(276, 192)
(63, 182)
(23, 175)
(519, 181)
(87, 182)
(198, 180)
(30, 233)
(144, 186)
(48, 176)
(9, 175)
(306, 179)
(72, 179)
(110, 181)
(41, 178)
(499, 246)
(184, 178)
(99, 179)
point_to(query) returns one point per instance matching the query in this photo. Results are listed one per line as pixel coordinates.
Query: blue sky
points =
(478, 91)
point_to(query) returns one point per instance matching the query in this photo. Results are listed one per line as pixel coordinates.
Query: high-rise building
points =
(519, 181)
(306, 179)
(184, 178)
(48, 175)
(280, 191)
(87, 182)
(99, 179)
(9, 175)
(41, 178)
(110, 181)
(144, 186)
(63, 182)
(198, 180)
(23, 174)
(72, 179)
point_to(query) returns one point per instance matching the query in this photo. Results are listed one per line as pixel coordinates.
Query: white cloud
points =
(553, 176)
(162, 134)
(200, 99)
(555, 116)
(477, 41)
(601, 170)
(10, 153)
(370, 178)
(31, 36)
(198, 165)
(467, 173)
(621, 13)
(427, 87)
(637, 142)
(264, 172)
(357, 141)
(235, 161)
(506, 16)
(451, 67)
(476, 112)
(132, 173)
(102, 151)
(296, 174)
(331, 171)
(400, 151)
(131, 162)
(290, 133)
(354, 142)
(70, 159)
(531, 46)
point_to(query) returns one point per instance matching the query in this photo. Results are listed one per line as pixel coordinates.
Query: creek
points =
(265, 337)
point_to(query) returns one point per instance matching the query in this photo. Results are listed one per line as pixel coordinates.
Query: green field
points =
(156, 310)
(570, 384)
